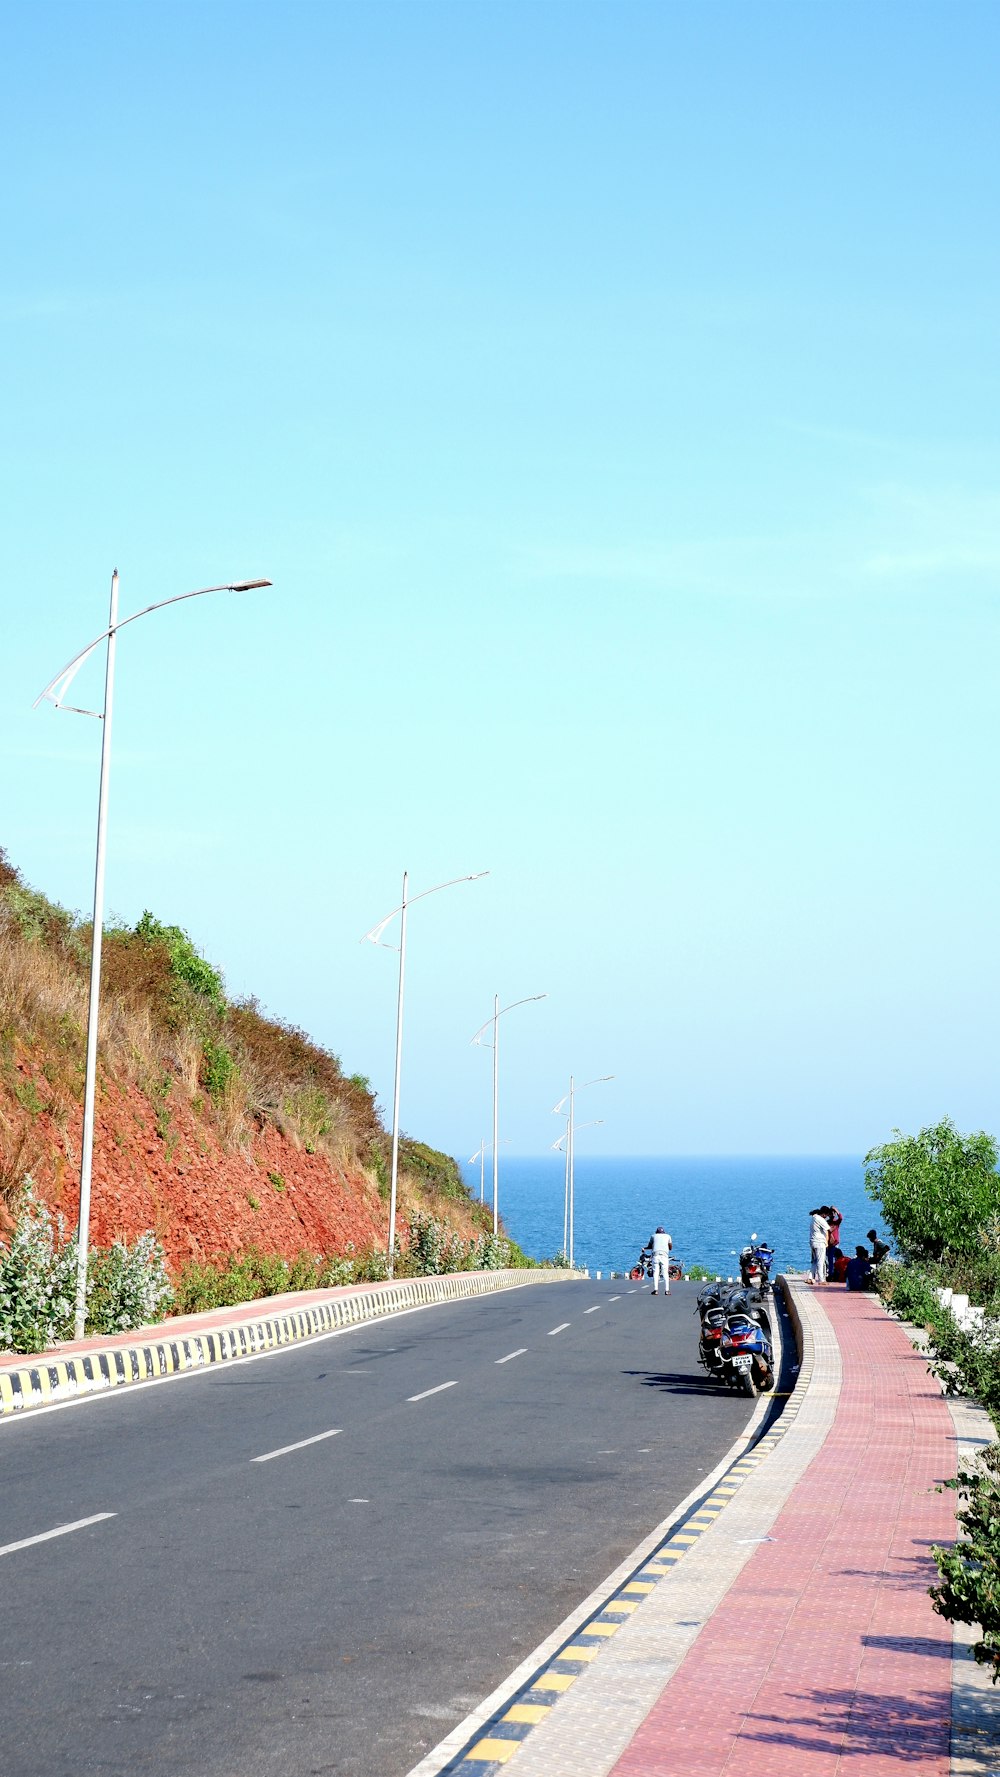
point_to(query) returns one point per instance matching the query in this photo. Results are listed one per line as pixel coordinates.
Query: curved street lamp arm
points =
(556, 1108)
(67, 674)
(374, 936)
(503, 1009)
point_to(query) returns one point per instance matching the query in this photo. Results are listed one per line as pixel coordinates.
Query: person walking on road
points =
(819, 1238)
(658, 1247)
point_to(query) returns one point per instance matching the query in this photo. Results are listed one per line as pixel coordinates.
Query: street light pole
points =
(569, 1206)
(375, 937)
(395, 1084)
(55, 693)
(498, 1013)
(496, 1109)
(94, 999)
(565, 1143)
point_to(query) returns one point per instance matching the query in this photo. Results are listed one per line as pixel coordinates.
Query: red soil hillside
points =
(202, 1201)
(218, 1127)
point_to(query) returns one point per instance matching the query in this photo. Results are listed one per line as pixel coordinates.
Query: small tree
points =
(969, 1590)
(937, 1189)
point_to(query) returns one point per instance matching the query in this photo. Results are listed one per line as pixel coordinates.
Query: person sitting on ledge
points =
(880, 1249)
(859, 1270)
(838, 1272)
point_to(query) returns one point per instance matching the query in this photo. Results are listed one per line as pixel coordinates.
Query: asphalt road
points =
(318, 1561)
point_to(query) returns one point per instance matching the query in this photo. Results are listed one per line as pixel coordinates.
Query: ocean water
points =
(710, 1205)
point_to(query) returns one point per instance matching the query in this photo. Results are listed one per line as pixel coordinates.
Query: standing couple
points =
(824, 1240)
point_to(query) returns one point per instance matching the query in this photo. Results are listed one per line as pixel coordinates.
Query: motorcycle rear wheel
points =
(746, 1384)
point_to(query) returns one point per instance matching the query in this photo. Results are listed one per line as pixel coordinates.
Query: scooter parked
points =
(746, 1355)
(756, 1260)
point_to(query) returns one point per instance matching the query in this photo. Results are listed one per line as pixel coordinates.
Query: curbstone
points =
(52, 1379)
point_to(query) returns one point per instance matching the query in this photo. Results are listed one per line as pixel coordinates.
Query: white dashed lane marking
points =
(60, 1530)
(618, 1298)
(429, 1391)
(596, 1307)
(559, 1329)
(286, 1449)
(506, 1360)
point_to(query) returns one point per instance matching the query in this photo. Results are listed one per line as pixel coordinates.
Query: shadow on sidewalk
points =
(862, 1724)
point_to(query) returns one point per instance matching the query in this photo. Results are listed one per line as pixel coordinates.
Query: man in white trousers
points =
(658, 1246)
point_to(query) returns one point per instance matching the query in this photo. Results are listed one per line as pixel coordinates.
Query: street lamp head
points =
(247, 585)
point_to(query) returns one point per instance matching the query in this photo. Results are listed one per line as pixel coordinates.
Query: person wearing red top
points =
(834, 1219)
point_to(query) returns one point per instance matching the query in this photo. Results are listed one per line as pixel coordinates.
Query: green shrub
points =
(969, 1589)
(37, 1279)
(436, 1171)
(910, 1292)
(127, 1286)
(185, 962)
(937, 1190)
(218, 1068)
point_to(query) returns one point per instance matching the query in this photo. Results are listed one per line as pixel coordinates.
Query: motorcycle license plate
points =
(742, 1363)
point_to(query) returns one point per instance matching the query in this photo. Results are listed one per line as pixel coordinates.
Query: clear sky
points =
(610, 391)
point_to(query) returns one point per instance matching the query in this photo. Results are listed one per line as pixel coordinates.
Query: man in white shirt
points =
(658, 1246)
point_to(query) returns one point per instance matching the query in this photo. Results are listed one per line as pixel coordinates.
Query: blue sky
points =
(610, 393)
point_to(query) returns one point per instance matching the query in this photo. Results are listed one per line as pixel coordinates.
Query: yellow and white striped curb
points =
(51, 1379)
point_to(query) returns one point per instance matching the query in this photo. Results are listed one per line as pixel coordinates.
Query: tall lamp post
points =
(375, 937)
(564, 1143)
(55, 693)
(498, 1013)
(571, 1128)
(480, 1157)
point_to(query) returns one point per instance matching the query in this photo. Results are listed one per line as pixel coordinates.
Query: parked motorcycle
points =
(746, 1355)
(734, 1345)
(756, 1260)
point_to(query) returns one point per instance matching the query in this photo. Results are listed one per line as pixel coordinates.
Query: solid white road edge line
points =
(286, 1449)
(429, 1391)
(560, 1329)
(506, 1360)
(60, 1530)
(437, 1760)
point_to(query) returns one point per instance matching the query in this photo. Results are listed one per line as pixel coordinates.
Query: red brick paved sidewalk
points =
(825, 1658)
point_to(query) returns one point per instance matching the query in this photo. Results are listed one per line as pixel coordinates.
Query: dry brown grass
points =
(160, 1032)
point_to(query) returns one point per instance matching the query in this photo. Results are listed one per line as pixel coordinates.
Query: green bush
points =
(185, 962)
(127, 1286)
(218, 1068)
(969, 1589)
(37, 1279)
(937, 1190)
(911, 1293)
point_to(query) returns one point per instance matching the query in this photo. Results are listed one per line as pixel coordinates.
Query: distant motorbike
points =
(756, 1260)
(643, 1268)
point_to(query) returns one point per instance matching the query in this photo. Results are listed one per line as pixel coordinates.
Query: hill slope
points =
(216, 1126)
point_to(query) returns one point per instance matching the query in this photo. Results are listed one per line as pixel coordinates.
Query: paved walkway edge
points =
(573, 1705)
(156, 1353)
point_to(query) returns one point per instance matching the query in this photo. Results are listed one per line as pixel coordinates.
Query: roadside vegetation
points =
(168, 1028)
(940, 1194)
